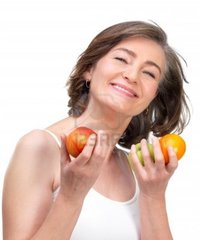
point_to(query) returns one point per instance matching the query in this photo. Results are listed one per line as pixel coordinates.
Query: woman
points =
(127, 83)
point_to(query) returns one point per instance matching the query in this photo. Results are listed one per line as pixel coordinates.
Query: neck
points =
(112, 122)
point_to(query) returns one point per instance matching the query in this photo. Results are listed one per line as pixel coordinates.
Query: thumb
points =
(64, 155)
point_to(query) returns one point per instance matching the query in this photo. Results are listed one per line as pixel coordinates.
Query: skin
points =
(38, 166)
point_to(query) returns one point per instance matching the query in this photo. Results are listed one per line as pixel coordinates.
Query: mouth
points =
(124, 90)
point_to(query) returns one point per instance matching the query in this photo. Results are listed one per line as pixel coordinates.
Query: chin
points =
(121, 108)
(114, 105)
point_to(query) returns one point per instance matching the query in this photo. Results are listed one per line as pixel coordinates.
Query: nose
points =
(131, 74)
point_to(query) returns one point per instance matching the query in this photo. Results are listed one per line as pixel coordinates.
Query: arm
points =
(153, 179)
(28, 210)
(154, 220)
(27, 196)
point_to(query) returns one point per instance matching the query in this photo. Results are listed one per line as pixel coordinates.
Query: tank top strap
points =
(126, 152)
(54, 137)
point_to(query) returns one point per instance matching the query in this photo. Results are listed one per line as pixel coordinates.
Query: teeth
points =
(126, 91)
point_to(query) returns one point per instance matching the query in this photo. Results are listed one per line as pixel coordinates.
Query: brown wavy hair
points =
(168, 112)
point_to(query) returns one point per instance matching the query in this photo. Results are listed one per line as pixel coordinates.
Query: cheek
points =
(101, 78)
(104, 69)
(151, 89)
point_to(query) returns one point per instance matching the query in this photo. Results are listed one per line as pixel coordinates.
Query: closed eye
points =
(121, 59)
(150, 74)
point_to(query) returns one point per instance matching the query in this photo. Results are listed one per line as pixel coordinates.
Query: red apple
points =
(77, 139)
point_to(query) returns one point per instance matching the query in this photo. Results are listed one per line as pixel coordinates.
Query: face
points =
(126, 79)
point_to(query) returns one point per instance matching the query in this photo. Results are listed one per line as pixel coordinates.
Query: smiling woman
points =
(166, 111)
(126, 84)
(133, 69)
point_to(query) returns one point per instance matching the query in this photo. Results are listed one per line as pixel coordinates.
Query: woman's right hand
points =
(79, 175)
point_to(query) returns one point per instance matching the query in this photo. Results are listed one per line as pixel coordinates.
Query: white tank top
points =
(104, 219)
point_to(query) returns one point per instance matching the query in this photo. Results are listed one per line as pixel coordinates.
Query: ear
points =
(88, 74)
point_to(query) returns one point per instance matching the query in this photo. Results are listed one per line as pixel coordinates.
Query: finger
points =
(64, 155)
(104, 144)
(148, 161)
(173, 161)
(137, 166)
(86, 154)
(102, 149)
(158, 155)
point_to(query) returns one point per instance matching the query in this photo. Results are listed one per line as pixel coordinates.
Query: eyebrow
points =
(133, 54)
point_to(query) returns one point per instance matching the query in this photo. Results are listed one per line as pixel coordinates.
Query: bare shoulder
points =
(37, 153)
(37, 140)
(30, 180)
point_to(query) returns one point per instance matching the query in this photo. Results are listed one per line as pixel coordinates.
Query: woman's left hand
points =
(153, 177)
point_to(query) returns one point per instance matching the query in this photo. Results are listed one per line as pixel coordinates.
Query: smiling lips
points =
(124, 90)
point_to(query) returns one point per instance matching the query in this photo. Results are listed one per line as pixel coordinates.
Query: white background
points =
(40, 42)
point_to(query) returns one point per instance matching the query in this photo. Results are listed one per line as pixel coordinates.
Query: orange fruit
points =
(176, 142)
